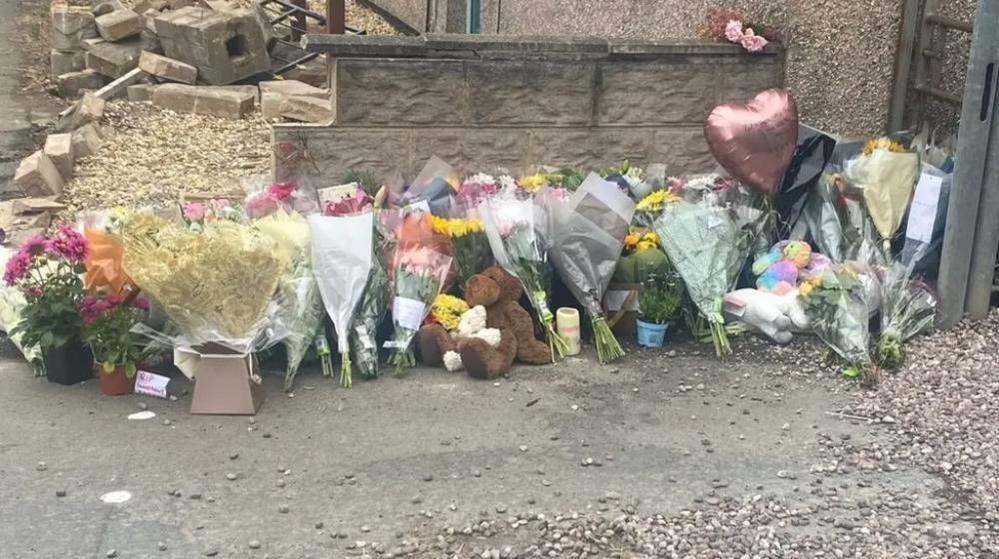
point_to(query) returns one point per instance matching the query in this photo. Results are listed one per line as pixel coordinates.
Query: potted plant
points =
(47, 270)
(658, 304)
(108, 319)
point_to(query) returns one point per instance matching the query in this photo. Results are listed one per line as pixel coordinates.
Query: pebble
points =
(143, 406)
(254, 544)
(319, 525)
(111, 553)
(41, 467)
(162, 546)
(283, 509)
(211, 552)
(60, 493)
(231, 477)
(234, 456)
(167, 422)
(428, 477)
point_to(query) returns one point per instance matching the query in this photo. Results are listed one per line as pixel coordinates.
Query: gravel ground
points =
(155, 155)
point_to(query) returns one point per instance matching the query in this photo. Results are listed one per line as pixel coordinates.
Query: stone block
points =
(203, 100)
(101, 7)
(38, 176)
(313, 73)
(473, 149)
(307, 109)
(59, 149)
(538, 93)
(64, 62)
(119, 24)
(224, 46)
(141, 92)
(296, 88)
(742, 81)
(178, 4)
(589, 148)
(385, 152)
(408, 92)
(114, 59)
(71, 25)
(87, 140)
(654, 93)
(150, 42)
(72, 84)
(167, 68)
(88, 110)
(243, 89)
(30, 206)
(683, 150)
(119, 87)
(270, 104)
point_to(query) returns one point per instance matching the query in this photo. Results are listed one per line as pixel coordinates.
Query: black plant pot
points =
(70, 363)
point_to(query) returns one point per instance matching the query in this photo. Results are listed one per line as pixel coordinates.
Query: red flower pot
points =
(117, 383)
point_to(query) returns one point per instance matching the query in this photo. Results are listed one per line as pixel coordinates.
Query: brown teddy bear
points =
(499, 292)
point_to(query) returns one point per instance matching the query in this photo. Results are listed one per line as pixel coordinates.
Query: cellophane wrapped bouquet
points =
(908, 307)
(218, 285)
(303, 311)
(510, 227)
(421, 272)
(587, 235)
(471, 245)
(839, 313)
(342, 259)
(708, 236)
(377, 294)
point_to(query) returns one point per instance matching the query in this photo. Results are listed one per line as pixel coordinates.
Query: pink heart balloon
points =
(755, 141)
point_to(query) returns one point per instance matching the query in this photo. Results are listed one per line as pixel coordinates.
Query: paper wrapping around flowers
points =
(341, 259)
(216, 286)
(105, 264)
(417, 242)
(887, 180)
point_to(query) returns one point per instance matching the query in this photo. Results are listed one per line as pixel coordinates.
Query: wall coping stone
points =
(492, 46)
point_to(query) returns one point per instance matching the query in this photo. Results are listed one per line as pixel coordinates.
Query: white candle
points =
(567, 322)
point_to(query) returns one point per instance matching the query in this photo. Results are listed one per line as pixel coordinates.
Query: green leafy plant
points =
(108, 320)
(660, 299)
(47, 270)
(365, 178)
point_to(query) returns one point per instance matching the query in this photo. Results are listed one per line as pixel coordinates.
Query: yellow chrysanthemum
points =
(533, 183)
(440, 224)
(651, 237)
(654, 202)
(646, 245)
(883, 143)
(447, 311)
(631, 240)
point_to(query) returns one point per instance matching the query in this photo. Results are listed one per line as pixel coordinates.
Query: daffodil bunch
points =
(447, 311)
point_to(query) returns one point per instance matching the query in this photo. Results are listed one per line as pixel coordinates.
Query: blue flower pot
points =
(652, 335)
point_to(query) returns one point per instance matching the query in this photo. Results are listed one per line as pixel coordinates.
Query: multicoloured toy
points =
(780, 269)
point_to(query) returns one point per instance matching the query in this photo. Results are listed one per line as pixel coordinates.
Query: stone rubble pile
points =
(182, 55)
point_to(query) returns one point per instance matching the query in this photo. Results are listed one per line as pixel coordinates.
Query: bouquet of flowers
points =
(104, 258)
(47, 270)
(217, 286)
(268, 200)
(420, 273)
(341, 257)
(510, 228)
(838, 223)
(907, 310)
(708, 242)
(471, 245)
(199, 214)
(731, 26)
(652, 205)
(587, 236)
(886, 175)
(356, 202)
(837, 308)
(363, 342)
(303, 311)
(476, 189)
(643, 257)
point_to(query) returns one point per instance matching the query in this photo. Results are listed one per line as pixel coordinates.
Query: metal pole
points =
(298, 22)
(969, 197)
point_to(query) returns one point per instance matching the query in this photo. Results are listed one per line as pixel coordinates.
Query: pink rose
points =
(733, 31)
(194, 211)
(753, 42)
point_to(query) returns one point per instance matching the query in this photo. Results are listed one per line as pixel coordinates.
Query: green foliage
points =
(365, 178)
(51, 318)
(660, 299)
(109, 335)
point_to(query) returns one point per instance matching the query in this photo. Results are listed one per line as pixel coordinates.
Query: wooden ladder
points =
(922, 40)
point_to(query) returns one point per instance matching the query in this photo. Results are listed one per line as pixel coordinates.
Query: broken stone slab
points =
(290, 88)
(167, 68)
(259, 13)
(149, 19)
(249, 89)
(27, 206)
(142, 5)
(313, 73)
(204, 100)
(101, 7)
(38, 176)
(225, 47)
(307, 109)
(141, 92)
(59, 149)
(118, 87)
(178, 4)
(71, 25)
(87, 140)
(66, 61)
(89, 109)
(114, 59)
(119, 24)
(270, 104)
(73, 84)
(150, 42)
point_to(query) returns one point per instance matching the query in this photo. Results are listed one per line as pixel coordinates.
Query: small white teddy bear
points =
(471, 325)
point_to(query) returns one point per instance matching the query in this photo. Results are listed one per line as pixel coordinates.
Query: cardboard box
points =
(225, 383)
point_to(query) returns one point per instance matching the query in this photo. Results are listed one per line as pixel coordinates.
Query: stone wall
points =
(483, 103)
(840, 55)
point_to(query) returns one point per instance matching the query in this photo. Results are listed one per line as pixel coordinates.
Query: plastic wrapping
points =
(838, 224)
(708, 243)
(377, 294)
(12, 305)
(886, 179)
(926, 222)
(838, 310)
(587, 236)
(510, 225)
(419, 277)
(303, 312)
(908, 308)
(341, 259)
(217, 286)
(434, 186)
